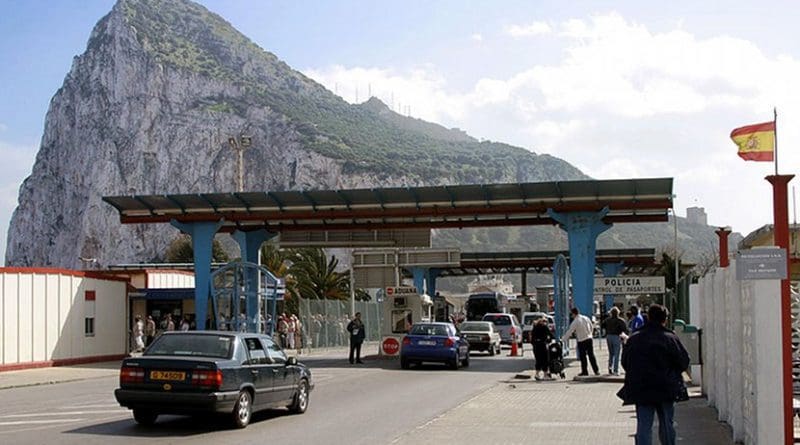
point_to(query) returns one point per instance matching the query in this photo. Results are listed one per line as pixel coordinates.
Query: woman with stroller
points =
(540, 338)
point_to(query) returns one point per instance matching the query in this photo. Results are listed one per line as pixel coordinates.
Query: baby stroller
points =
(555, 358)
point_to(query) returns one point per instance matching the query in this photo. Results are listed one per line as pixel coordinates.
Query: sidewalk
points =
(522, 410)
(519, 410)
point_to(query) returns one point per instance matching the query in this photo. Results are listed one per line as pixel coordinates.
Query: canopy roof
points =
(635, 261)
(456, 206)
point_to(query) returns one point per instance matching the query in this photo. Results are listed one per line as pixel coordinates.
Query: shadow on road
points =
(174, 426)
(478, 363)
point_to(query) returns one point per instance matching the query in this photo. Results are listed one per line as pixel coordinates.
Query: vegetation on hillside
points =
(368, 137)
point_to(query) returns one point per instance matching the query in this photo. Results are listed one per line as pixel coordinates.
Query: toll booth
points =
(402, 307)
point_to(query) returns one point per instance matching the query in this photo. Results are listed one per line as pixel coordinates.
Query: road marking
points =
(35, 422)
(63, 413)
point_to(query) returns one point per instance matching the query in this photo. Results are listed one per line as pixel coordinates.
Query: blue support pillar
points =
(610, 270)
(430, 281)
(419, 278)
(202, 234)
(582, 231)
(250, 246)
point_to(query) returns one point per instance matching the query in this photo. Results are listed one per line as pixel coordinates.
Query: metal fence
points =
(324, 322)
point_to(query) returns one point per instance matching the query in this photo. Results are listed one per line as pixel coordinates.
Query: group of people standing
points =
(144, 331)
(652, 356)
(290, 332)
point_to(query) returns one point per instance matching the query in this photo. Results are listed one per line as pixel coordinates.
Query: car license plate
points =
(167, 375)
(473, 337)
(427, 342)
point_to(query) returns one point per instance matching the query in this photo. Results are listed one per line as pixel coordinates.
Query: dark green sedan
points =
(196, 372)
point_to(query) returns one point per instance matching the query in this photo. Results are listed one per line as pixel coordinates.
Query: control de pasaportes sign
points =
(761, 264)
(629, 285)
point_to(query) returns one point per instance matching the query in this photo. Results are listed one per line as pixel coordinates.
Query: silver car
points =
(508, 326)
(481, 335)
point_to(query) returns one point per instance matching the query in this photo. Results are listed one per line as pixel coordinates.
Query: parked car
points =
(528, 320)
(195, 372)
(482, 336)
(506, 324)
(434, 342)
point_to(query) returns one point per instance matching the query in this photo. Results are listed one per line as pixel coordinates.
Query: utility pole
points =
(239, 144)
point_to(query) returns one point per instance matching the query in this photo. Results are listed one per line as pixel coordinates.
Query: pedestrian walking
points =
(654, 360)
(357, 334)
(615, 328)
(185, 324)
(540, 338)
(138, 334)
(149, 330)
(637, 321)
(583, 328)
(283, 328)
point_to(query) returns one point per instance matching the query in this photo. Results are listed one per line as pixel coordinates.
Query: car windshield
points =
(429, 329)
(192, 345)
(475, 327)
(498, 320)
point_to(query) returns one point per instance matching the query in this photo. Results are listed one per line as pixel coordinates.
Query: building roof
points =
(457, 206)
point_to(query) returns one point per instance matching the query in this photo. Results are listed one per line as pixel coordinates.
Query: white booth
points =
(402, 307)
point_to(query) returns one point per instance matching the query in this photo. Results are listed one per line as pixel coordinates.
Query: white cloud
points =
(477, 37)
(625, 101)
(533, 29)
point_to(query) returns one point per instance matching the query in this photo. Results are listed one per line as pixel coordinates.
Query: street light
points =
(240, 144)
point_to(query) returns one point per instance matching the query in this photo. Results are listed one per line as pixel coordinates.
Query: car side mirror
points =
(291, 361)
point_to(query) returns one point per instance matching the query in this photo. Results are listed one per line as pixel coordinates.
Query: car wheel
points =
(499, 349)
(145, 416)
(242, 410)
(491, 350)
(455, 363)
(404, 364)
(300, 402)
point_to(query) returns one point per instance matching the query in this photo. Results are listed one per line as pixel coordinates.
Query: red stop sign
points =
(391, 346)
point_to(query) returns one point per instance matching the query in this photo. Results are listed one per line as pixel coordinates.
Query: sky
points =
(620, 89)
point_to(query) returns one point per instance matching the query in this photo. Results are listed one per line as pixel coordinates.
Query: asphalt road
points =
(375, 403)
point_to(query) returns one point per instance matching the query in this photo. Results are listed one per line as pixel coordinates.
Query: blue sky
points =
(620, 89)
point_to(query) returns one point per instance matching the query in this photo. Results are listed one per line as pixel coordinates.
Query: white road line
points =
(63, 413)
(34, 422)
(91, 405)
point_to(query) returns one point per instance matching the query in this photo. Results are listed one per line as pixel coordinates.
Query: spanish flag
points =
(756, 142)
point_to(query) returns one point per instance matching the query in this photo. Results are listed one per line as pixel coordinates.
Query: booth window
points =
(89, 312)
(401, 321)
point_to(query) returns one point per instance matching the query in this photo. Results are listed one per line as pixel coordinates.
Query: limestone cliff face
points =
(137, 117)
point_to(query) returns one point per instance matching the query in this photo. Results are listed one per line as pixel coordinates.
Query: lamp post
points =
(239, 144)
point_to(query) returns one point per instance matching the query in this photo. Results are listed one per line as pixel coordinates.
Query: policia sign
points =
(629, 285)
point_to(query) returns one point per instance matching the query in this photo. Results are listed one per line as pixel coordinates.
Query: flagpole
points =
(775, 133)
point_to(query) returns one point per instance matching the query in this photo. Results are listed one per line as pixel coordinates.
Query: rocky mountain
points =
(150, 106)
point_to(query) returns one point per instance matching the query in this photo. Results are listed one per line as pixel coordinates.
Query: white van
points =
(506, 324)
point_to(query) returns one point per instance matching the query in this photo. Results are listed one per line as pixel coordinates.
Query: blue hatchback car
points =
(434, 342)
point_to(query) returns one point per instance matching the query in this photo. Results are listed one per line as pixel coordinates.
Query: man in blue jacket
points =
(654, 359)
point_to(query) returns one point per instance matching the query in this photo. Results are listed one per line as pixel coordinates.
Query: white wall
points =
(43, 315)
(742, 354)
(157, 279)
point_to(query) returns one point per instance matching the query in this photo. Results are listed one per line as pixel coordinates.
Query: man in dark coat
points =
(357, 335)
(654, 358)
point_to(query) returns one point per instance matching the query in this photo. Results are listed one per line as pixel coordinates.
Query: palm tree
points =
(277, 261)
(316, 276)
